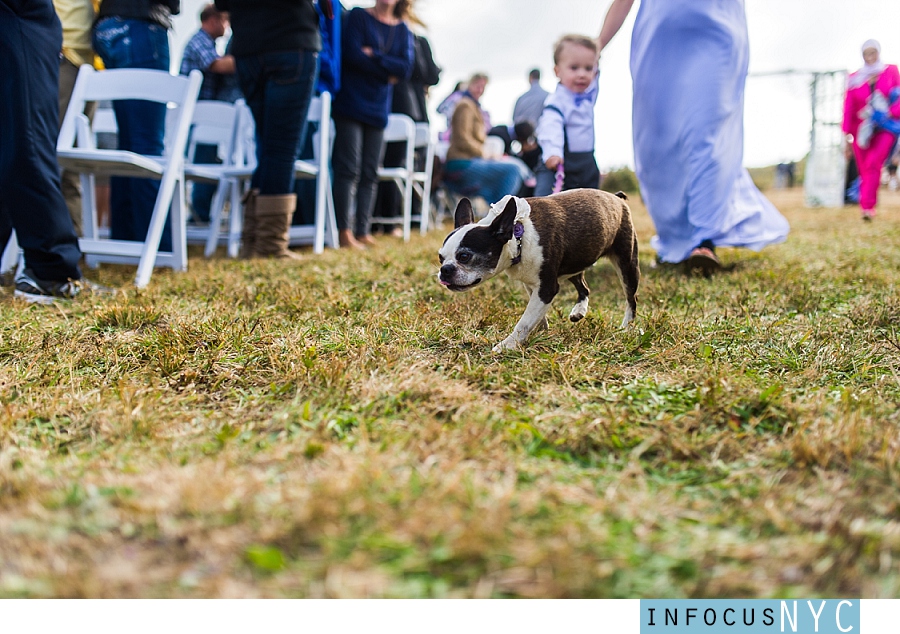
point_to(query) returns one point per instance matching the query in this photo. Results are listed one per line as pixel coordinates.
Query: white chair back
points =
(77, 151)
(417, 136)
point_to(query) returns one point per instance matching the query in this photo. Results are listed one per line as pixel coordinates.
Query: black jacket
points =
(409, 95)
(156, 11)
(269, 26)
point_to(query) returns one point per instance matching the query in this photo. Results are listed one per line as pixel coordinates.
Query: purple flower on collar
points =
(518, 230)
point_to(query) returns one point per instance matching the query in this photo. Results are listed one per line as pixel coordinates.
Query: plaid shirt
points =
(199, 54)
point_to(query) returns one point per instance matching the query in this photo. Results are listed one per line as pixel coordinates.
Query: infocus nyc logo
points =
(750, 616)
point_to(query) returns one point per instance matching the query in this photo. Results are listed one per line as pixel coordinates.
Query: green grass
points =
(339, 427)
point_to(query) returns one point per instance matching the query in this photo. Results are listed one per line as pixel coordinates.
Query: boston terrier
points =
(541, 242)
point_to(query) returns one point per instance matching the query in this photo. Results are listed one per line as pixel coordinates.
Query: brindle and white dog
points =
(541, 242)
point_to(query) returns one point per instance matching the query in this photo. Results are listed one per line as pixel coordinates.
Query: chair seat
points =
(112, 162)
(393, 172)
(304, 167)
(205, 173)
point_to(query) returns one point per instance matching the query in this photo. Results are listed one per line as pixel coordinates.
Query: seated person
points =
(467, 172)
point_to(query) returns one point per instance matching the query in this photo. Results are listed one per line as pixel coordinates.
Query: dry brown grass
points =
(339, 427)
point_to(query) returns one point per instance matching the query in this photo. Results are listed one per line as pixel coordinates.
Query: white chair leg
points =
(154, 234)
(215, 217)
(236, 219)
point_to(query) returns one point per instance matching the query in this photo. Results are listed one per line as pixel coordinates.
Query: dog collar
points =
(518, 232)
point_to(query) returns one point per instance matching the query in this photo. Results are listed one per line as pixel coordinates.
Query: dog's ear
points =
(502, 227)
(465, 215)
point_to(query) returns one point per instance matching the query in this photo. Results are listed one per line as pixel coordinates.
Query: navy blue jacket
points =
(366, 93)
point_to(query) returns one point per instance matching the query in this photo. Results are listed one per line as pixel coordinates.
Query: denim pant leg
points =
(31, 200)
(125, 43)
(202, 193)
(278, 88)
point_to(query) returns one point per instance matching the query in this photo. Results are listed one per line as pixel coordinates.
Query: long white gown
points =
(689, 63)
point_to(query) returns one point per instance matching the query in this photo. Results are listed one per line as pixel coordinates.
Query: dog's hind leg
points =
(581, 307)
(625, 257)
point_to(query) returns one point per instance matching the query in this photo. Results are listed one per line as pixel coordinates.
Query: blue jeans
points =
(123, 43)
(278, 88)
(31, 201)
(492, 180)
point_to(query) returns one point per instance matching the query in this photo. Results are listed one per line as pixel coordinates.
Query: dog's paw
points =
(507, 344)
(579, 311)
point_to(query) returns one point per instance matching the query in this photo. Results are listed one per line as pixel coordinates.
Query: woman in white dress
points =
(689, 63)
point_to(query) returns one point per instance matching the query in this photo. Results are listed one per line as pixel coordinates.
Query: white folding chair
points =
(11, 254)
(422, 180)
(399, 128)
(214, 123)
(77, 152)
(325, 227)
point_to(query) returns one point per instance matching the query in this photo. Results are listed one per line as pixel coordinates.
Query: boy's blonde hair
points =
(578, 40)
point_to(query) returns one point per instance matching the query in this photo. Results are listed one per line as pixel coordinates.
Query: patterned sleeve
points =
(199, 54)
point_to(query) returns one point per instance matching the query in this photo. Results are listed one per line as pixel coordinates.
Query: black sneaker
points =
(37, 291)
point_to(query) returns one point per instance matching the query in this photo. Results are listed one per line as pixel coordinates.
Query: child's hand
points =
(553, 162)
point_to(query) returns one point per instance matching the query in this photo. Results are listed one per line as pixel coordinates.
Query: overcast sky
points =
(505, 38)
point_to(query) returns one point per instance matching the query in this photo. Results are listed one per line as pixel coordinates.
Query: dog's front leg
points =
(529, 291)
(535, 314)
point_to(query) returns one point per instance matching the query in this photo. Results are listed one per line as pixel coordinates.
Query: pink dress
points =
(871, 159)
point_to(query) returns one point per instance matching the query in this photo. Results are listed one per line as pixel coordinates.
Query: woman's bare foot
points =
(347, 241)
(367, 240)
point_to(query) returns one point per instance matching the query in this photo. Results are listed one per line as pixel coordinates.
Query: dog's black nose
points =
(448, 270)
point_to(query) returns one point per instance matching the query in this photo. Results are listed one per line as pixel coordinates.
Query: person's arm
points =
(400, 65)
(894, 76)
(429, 73)
(354, 53)
(551, 135)
(849, 113)
(223, 65)
(615, 17)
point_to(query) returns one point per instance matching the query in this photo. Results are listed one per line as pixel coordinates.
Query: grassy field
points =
(339, 427)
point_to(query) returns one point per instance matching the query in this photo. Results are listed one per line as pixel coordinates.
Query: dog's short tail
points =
(622, 195)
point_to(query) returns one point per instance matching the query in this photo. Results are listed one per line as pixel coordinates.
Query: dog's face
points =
(472, 253)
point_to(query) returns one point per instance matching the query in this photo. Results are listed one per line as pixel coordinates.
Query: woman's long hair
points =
(403, 10)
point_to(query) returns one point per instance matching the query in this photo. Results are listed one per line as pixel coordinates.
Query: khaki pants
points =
(71, 182)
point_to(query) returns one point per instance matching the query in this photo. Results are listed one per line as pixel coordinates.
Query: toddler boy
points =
(565, 131)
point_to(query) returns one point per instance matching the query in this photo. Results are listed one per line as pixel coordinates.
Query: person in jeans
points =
(134, 34)
(276, 46)
(31, 200)
(467, 172)
(377, 52)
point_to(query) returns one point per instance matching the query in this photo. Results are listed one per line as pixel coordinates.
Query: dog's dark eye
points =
(463, 257)
(440, 258)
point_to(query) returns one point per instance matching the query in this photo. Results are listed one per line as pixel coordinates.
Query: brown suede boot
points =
(273, 220)
(248, 232)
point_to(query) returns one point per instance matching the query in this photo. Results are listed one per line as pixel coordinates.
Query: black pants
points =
(31, 201)
(581, 171)
(357, 153)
